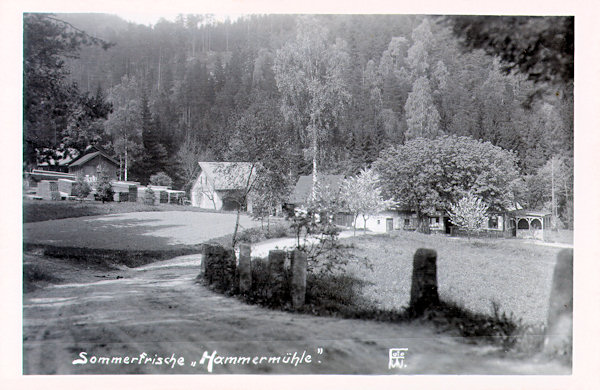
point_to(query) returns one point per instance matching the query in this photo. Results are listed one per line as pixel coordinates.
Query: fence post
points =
(424, 289)
(245, 268)
(559, 329)
(276, 273)
(299, 264)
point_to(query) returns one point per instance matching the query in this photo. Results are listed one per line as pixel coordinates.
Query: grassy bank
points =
(474, 274)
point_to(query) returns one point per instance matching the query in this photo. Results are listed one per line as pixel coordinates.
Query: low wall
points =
(273, 280)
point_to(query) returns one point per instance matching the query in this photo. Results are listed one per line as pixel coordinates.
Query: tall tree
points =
(309, 75)
(422, 117)
(124, 125)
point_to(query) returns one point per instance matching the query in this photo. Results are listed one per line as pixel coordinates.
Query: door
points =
(389, 224)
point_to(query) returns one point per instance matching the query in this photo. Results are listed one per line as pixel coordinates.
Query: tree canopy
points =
(429, 175)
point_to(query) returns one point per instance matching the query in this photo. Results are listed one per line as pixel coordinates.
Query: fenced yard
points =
(471, 273)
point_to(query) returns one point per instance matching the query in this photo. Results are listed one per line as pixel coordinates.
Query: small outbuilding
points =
(94, 164)
(531, 224)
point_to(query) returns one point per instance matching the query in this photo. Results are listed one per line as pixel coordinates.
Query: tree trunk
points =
(237, 225)
(365, 224)
(125, 161)
(315, 151)
(554, 209)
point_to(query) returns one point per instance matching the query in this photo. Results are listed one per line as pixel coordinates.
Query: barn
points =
(221, 185)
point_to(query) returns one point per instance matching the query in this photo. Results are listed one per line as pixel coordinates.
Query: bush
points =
(257, 234)
(81, 188)
(161, 179)
(104, 191)
(262, 289)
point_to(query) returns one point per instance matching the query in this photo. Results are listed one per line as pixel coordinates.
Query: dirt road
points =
(159, 310)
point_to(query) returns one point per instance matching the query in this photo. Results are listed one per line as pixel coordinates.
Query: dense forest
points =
(162, 97)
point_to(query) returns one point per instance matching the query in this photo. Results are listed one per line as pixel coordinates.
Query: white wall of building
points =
(378, 223)
(203, 195)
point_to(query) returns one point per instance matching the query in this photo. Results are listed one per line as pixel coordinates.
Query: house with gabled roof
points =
(94, 164)
(221, 185)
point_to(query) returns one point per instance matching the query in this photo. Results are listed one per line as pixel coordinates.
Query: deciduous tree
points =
(470, 212)
(309, 74)
(362, 196)
(428, 175)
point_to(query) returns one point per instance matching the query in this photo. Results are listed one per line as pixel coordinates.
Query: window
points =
(406, 222)
(378, 221)
(493, 222)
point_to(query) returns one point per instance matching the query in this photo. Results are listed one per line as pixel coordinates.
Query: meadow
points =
(474, 274)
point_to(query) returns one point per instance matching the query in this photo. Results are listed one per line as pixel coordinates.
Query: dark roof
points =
(87, 157)
(303, 188)
(226, 176)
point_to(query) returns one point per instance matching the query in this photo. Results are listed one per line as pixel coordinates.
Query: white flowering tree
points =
(469, 213)
(362, 196)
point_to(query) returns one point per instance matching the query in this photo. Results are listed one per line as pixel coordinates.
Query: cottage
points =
(94, 164)
(221, 185)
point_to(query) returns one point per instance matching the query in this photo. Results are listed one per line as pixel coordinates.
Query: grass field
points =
(471, 273)
(45, 210)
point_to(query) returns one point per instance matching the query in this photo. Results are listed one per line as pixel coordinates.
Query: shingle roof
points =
(303, 188)
(227, 175)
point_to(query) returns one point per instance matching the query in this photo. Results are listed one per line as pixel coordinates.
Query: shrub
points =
(258, 234)
(104, 191)
(161, 179)
(81, 188)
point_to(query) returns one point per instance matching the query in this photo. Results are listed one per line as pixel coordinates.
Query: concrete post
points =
(277, 273)
(559, 330)
(299, 264)
(245, 269)
(424, 289)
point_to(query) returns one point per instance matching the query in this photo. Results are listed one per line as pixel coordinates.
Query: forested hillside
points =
(189, 90)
